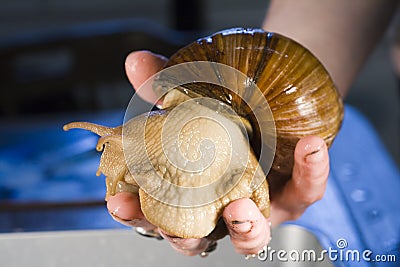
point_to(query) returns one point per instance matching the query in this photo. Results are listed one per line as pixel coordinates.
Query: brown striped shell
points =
(299, 90)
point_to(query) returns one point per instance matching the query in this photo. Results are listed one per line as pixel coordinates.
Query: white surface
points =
(126, 248)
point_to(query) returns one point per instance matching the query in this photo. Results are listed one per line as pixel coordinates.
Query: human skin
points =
(341, 34)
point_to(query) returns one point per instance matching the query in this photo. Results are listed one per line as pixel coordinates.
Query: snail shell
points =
(299, 90)
(300, 94)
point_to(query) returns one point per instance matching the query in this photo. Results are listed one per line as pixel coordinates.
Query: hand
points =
(252, 233)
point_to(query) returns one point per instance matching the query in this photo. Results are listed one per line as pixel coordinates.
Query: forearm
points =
(341, 33)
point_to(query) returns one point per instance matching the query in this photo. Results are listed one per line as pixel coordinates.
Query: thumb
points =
(140, 66)
(248, 228)
(124, 207)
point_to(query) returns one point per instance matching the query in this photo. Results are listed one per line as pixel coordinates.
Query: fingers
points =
(308, 183)
(187, 246)
(124, 207)
(248, 228)
(249, 231)
(140, 66)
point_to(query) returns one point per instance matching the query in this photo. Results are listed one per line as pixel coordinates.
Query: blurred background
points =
(64, 60)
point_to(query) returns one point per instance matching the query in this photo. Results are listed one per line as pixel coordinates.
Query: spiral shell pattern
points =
(299, 90)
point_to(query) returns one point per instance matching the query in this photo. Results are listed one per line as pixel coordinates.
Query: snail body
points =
(169, 143)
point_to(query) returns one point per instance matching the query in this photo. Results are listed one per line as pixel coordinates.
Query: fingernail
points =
(314, 156)
(240, 226)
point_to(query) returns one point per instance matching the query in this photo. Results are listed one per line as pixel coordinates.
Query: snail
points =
(208, 136)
